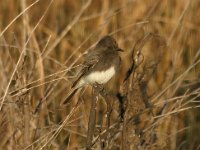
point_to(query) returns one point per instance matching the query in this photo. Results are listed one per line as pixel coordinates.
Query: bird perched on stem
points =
(99, 65)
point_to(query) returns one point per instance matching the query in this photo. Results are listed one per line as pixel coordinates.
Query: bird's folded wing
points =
(88, 64)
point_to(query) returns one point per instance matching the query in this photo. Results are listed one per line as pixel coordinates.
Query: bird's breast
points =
(100, 77)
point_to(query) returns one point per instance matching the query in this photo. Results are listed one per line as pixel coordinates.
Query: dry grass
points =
(153, 103)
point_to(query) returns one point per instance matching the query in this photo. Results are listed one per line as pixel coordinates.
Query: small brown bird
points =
(99, 66)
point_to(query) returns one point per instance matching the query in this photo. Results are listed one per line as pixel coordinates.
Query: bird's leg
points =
(98, 87)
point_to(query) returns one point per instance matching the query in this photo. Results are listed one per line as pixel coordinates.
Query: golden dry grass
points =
(157, 107)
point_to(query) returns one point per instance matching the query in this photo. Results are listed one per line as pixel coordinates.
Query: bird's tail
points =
(69, 96)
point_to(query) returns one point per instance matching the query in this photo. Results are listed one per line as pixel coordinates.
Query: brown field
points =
(153, 103)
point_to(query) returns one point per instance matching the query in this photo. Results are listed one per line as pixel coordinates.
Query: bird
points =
(99, 65)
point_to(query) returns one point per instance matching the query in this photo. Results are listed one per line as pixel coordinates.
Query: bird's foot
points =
(98, 87)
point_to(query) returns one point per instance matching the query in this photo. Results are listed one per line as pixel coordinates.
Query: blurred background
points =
(41, 44)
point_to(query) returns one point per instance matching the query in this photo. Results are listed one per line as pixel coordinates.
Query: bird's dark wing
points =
(89, 63)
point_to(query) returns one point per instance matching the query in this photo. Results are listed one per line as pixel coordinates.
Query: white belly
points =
(100, 77)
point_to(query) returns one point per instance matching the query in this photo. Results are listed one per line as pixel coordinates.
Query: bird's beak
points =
(120, 50)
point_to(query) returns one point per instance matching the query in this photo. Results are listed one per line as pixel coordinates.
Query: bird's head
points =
(109, 43)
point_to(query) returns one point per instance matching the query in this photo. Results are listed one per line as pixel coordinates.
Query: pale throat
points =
(100, 77)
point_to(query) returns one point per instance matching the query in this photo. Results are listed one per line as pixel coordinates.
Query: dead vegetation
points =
(153, 103)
